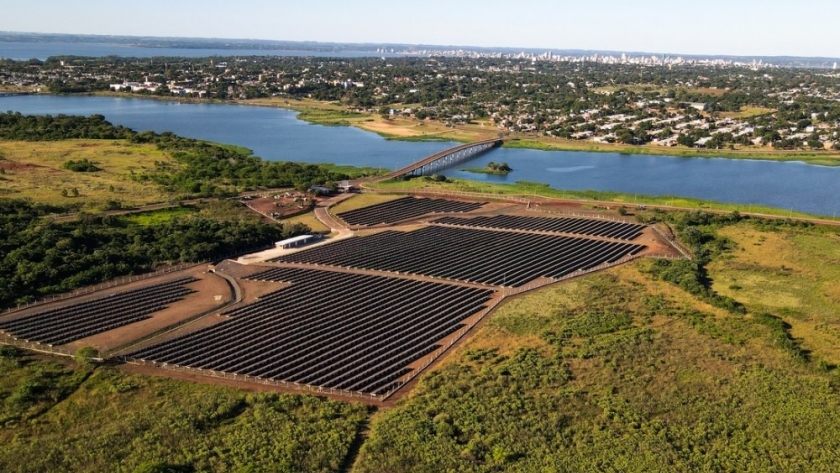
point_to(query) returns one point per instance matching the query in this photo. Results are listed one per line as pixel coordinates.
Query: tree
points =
(685, 139)
(85, 356)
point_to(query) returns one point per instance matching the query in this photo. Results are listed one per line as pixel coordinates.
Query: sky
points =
(729, 27)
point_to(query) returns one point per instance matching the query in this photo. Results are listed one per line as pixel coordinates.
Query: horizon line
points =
(442, 46)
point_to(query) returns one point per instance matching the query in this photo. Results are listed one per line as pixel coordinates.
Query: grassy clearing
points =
(537, 189)
(58, 417)
(792, 274)
(362, 200)
(747, 112)
(158, 217)
(310, 221)
(329, 117)
(613, 372)
(354, 171)
(34, 170)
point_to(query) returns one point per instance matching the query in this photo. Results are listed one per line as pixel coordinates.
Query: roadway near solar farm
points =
(355, 317)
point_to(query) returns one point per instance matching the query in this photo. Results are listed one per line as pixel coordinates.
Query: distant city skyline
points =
(716, 27)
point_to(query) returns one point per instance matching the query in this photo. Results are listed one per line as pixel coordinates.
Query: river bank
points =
(276, 133)
(410, 129)
(536, 191)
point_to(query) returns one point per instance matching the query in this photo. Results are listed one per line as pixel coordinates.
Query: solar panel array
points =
(471, 255)
(337, 330)
(70, 323)
(404, 209)
(582, 226)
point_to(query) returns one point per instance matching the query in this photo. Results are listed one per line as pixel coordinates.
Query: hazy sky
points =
(737, 27)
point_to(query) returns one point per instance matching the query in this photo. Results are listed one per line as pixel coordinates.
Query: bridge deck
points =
(431, 159)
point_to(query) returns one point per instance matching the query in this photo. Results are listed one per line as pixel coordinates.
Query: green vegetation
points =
(354, 172)
(727, 362)
(697, 230)
(614, 372)
(57, 417)
(156, 217)
(84, 165)
(39, 257)
(35, 170)
(309, 220)
(329, 117)
(196, 168)
(15, 126)
(500, 169)
(792, 273)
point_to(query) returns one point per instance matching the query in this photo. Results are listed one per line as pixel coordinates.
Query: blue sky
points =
(737, 27)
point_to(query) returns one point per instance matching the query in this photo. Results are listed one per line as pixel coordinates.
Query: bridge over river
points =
(444, 159)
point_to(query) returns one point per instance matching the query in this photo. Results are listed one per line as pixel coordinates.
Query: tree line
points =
(39, 257)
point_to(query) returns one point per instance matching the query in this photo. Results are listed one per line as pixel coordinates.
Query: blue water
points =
(277, 134)
(271, 133)
(21, 51)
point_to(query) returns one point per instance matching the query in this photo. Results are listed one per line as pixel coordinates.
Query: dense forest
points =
(39, 257)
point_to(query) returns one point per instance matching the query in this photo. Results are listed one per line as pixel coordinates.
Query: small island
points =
(501, 169)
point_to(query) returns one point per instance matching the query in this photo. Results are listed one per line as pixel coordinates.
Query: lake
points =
(22, 51)
(276, 134)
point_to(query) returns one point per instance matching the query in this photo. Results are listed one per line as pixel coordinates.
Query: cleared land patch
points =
(794, 275)
(34, 170)
(69, 323)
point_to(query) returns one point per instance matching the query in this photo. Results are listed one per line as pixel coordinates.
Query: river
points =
(276, 134)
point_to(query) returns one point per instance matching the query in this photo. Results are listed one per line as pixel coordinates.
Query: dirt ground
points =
(8, 165)
(211, 292)
(250, 290)
(281, 205)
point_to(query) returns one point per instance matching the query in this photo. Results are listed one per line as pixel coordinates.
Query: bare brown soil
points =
(207, 288)
(17, 166)
(283, 204)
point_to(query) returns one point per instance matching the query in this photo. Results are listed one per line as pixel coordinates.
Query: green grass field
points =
(34, 170)
(158, 216)
(793, 274)
(310, 221)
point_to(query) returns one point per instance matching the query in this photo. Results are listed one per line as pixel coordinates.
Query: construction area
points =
(358, 314)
